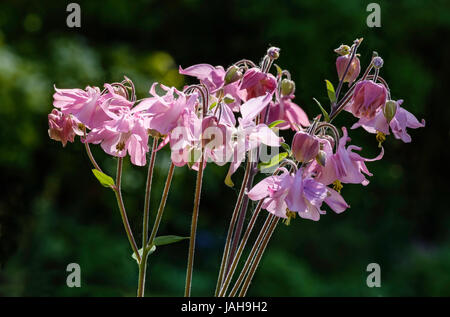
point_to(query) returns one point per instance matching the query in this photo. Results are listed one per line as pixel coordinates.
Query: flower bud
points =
(321, 158)
(233, 74)
(343, 50)
(273, 52)
(353, 70)
(378, 62)
(305, 147)
(389, 110)
(367, 98)
(287, 87)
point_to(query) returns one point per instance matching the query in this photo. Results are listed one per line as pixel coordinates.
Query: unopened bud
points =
(233, 74)
(343, 50)
(321, 158)
(389, 110)
(378, 62)
(304, 146)
(287, 87)
(273, 52)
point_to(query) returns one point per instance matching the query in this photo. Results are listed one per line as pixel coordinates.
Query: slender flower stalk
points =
(148, 245)
(251, 256)
(240, 249)
(162, 205)
(148, 189)
(123, 213)
(198, 190)
(89, 153)
(258, 257)
(226, 251)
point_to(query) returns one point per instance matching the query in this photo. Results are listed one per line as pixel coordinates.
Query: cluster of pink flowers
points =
(229, 113)
(231, 116)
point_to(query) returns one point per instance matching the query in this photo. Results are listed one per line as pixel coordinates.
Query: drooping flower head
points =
(63, 127)
(305, 147)
(123, 134)
(367, 98)
(398, 124)
(344, 165)
(257, 83)
(297, 192)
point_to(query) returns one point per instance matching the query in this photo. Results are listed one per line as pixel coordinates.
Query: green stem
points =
(148, 189)
(190, 264)
(255, 264)
(162, 205)
(240, 249)
(123, 213)
(251, 256)
(142, 271)
(226, 251)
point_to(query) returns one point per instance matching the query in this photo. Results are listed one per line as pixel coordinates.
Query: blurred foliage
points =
(53, 212)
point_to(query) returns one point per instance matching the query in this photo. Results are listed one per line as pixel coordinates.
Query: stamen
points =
(337, 186)
(381, 137)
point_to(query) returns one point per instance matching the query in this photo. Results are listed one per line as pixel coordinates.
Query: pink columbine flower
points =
(247, 137)
(256, 83)
(353, 70)
(89, 106)
(214, 79)
(274, 190)
(305, 147)
(62, 127)
(163, 113)
(367, 98)
(402, 120)
(345, 165)
(286, 110)
(296, 193)
(306, 196)
(124, 134)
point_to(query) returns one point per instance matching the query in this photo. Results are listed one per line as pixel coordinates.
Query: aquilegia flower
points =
(401, 120)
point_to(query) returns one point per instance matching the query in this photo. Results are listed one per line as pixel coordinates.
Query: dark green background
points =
(53, 211)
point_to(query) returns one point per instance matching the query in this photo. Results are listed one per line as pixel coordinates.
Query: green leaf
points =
(330, 91)
(273, 161)
(324, 112)
(163, 240)
(286, 147)
(213, 105)
(152, 249)
(104, 179)
(275, 123)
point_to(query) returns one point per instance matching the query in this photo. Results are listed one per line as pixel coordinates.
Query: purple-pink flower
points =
(304, 147)
(367, 98)
(345, 165)
(353, 70)
(296, 193)
(402, 120)
(123, 134)
(256, 83)
(62, 127)
(90, 106)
